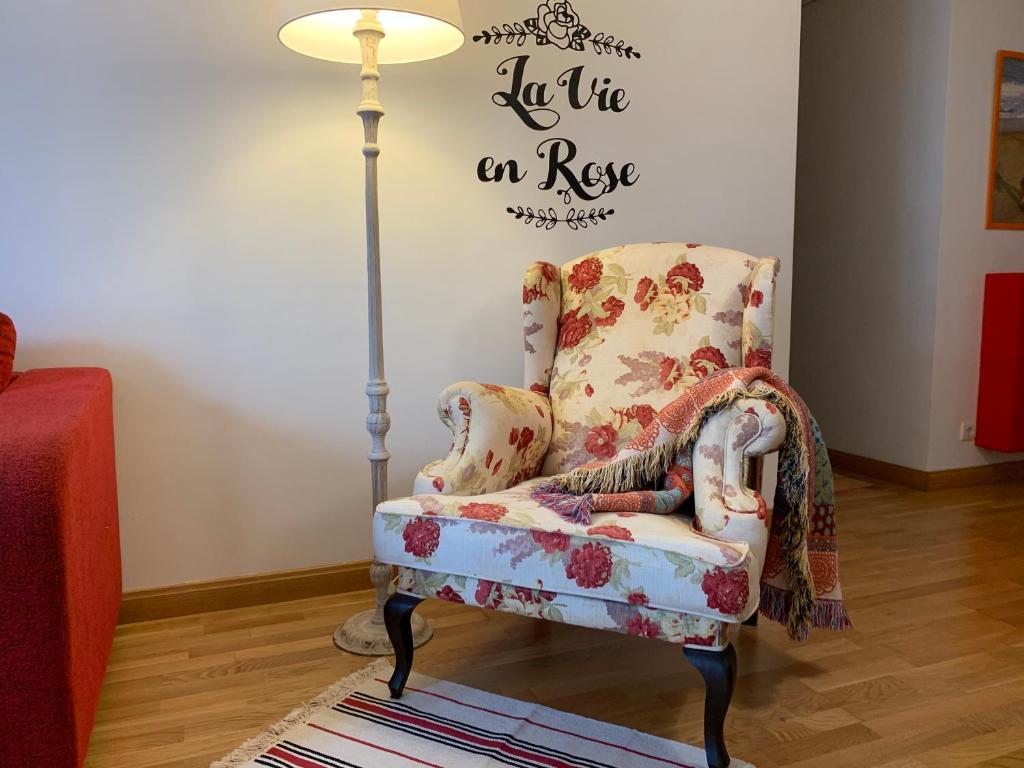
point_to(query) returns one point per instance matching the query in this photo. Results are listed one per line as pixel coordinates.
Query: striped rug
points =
(436, 724)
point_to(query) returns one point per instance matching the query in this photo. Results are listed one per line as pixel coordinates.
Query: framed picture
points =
(1006, 157)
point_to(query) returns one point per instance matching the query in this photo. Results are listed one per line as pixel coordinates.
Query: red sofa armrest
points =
(60, 560)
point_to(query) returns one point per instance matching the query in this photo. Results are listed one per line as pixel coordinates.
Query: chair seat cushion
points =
(657, 561)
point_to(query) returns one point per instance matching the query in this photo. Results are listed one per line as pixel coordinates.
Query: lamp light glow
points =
(415, 30)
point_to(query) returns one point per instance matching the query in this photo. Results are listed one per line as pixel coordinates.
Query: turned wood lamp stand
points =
(352, 33)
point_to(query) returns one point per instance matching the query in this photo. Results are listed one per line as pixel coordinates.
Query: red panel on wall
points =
(1001, 386)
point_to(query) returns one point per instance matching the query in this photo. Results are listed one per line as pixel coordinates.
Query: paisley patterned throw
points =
(800, 582)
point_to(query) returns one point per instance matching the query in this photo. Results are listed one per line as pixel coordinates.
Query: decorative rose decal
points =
(421, 537)
(590, 566)
(727, 591)
(558, 24)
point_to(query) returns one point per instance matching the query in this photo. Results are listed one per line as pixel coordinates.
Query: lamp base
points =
(366, 637)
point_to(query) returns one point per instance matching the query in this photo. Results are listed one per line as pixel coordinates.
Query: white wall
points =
(869, 199)
(182, 203)
(968, 250)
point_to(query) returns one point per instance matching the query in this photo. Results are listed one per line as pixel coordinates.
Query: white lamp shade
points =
(414, 30)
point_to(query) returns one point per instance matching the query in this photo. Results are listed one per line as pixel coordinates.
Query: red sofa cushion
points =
(60, 561)
(8, 340)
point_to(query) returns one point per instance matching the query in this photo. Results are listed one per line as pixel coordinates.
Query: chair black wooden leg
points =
(398, 620)
(718, 669)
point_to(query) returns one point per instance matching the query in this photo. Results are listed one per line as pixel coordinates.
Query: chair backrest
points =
(617, 334)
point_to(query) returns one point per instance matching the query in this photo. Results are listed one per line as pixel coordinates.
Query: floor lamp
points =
(388, 32)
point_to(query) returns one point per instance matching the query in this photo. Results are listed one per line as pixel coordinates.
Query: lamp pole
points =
(364, 633)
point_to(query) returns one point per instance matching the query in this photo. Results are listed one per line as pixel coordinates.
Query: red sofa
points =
(60, 560)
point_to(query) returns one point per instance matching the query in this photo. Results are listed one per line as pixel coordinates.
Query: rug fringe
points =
(257, 745)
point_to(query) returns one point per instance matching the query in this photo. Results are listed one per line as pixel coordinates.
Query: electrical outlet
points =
(967, 430)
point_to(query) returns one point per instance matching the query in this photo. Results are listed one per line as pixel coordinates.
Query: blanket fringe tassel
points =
(575, 509)
(826, 614)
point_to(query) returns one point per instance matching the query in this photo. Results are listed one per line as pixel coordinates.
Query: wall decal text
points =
(539, 104)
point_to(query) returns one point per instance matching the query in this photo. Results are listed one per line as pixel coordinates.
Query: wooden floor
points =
(932, 676)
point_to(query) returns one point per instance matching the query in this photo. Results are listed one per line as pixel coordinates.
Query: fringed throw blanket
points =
(800, 583)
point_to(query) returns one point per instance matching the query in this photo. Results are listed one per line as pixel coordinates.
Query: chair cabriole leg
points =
(398, 621)
(718, 668)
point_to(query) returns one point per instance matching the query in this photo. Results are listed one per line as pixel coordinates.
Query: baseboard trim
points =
(921, 480)
(243, 591)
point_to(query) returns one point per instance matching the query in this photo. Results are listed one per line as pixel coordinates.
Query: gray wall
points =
(968, 250)
(891, 246)
(869, 199)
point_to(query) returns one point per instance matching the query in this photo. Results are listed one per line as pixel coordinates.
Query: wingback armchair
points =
(610, 339)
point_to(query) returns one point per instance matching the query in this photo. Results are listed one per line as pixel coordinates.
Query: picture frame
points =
(1005, 208)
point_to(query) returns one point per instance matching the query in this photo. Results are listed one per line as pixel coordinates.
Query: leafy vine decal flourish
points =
(548, 218)
(558, 24)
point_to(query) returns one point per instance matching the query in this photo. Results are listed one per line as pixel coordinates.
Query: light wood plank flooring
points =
(933, 676)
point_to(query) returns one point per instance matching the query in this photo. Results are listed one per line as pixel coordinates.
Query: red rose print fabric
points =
(609, 340)
(634, 617)
(638, 325)
(500, 438)
(509, 538)
(800, 582)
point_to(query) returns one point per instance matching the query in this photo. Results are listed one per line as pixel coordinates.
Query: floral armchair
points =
(610, 339)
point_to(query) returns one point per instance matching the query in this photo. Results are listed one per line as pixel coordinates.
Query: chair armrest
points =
(725, 507)
(501, 436)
